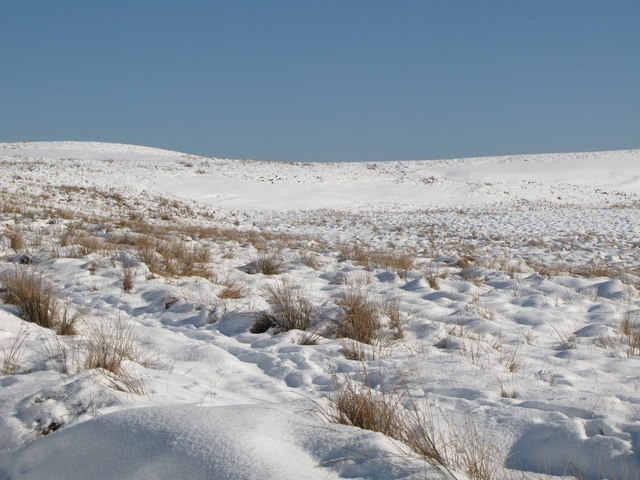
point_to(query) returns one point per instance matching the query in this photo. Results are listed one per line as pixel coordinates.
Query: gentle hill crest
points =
(590, 178)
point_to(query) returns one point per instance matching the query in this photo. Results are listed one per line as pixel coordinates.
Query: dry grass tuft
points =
(358, 253)
(360, 316)
(630, 328)
(309, 338)
(269, 263)
(365, 255)
(128, 273)
(234, 287)
(67, 320)
(173, 257)
(391, 309)
(400, 262)
(475, 454)
(354, 403)
(109, 346)
(507, 388)
(194, 261)
(290, 307)
(11, 356)
(512, 361)
(353, 350)
(309, 259)
(262, 323)
(443, 444)
(432, 280)
(16, 239)
(37, 299)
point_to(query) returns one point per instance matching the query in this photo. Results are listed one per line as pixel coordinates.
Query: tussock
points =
(354, 403)
(109, 346)
(269, 263)
(128, 273)
(630, 328)
(290, 306)
(12, 355)
(234, 286)
(37, 298)
(16, 239)
(360, 316)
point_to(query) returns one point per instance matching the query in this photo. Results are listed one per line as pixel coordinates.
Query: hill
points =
(168, 315)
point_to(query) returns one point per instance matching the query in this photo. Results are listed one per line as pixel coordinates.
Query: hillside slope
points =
(595, 179)
(215, 318)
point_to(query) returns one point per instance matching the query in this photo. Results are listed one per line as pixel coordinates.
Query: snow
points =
(230, 442)
(515, 314)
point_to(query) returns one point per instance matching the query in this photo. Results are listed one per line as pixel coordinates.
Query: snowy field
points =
(235, 319)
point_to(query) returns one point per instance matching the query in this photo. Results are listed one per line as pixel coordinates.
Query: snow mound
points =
(242, 442)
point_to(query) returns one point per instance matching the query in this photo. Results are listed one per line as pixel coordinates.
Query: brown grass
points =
(309, 338)
(234, 287)
(432, 279)
(11, 356)
(309, 259)
(16, 238)
(360, 316)
(358, 405)
(269, 263)
(399, 261)
(391, 308)
(512, 361)
(127, 278)
(67, 319)
(353, 350)
(394, 412)
(290, 306)
(354, 403)
(507, 388)
(173, 257)
(109, 346)
(83, 244)
(630, 328)
(37, 299)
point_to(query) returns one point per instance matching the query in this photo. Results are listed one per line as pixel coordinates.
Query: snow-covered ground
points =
(505, 290)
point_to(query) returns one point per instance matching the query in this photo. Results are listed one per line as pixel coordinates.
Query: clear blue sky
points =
(343, 80)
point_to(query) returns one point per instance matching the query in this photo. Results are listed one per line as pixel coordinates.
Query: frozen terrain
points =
(500, 296)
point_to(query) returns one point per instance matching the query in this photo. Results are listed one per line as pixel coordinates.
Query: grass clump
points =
(37, 299)
(630, 328)
(269, 263)
(354, 403)
(309, 338)
(234, 287)
(12, 354)
(360, 316)
(290, 307)
(400, 262)
(353, 350)
(16, 239)
(362, 254)
(110, 346)
(128, 273)
(172, 257)
(442, 443)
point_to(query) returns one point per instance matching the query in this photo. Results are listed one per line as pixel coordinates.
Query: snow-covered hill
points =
(499, 297)
(594, 179)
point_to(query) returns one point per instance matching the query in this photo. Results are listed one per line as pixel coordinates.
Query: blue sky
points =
(326, 80)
